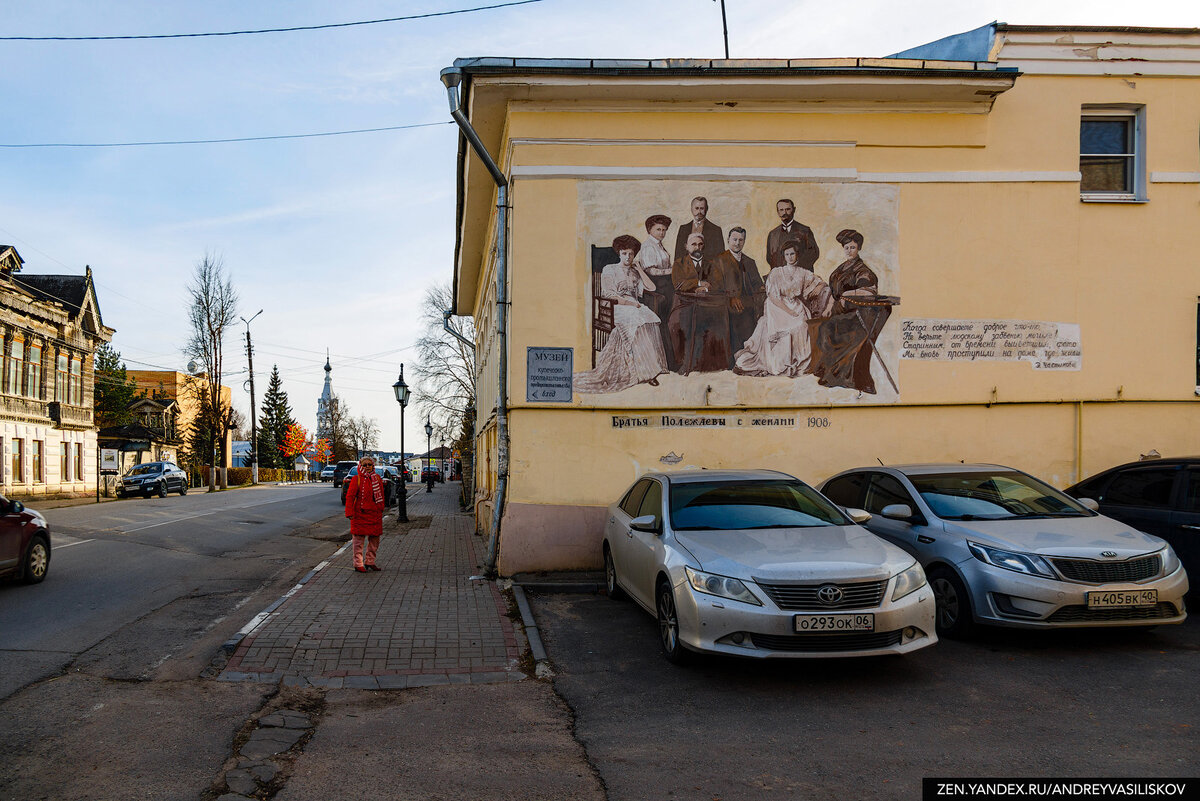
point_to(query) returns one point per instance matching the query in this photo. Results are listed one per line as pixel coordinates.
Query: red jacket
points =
(365, 513)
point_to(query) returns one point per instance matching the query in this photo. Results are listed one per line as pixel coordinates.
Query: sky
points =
(336, 239)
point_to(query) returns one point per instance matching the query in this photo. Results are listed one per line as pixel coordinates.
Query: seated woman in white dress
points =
(780, 343)
(634, 352)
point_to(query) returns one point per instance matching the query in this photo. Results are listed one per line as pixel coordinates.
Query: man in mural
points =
(844, 341)
(789, 230)
(749, 294)
(699, 322)
(699, 224)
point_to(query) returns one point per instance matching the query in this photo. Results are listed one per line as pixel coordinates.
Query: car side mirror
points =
(16, 507)
(897, 511)
(859, 516)
(1089, 503)
(647, 523)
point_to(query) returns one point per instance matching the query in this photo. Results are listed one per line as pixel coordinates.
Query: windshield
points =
(736, 505)
(993, 496)
(143, 469)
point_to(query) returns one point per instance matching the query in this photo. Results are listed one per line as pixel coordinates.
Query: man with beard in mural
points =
(699, 320)
(699, 224)
(749, 293)
(789, 230)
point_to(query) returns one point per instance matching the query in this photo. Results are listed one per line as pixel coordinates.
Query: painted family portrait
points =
(741, 283)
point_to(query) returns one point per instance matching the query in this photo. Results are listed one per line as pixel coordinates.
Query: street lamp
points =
(442, 455)
(402, 393)
(428, 453)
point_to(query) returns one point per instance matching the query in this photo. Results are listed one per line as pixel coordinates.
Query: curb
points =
(531, 629)
(230, 645)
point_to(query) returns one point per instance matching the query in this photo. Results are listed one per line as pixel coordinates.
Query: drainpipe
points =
(452, 77)
(446, 315)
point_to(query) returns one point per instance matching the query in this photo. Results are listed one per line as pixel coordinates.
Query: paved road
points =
(1005, 704)
(132, 583)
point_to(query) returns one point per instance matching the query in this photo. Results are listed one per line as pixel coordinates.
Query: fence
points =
(198, 475)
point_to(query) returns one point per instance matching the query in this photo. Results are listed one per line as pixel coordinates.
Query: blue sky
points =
(335, 238)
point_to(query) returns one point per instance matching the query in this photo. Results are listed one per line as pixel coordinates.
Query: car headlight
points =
(1170, 562)
(908, 581)
(1027, 563)
(720, 586)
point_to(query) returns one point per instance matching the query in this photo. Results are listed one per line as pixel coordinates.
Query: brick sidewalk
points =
(421, 621)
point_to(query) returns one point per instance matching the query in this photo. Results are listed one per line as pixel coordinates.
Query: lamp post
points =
(253, 417)
(402, 393)
(428, 451)
(442, 456)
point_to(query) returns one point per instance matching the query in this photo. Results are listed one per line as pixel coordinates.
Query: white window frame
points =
(1136, 114)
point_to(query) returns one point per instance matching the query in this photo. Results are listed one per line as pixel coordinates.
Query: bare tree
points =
(213, 309)
(364, 433)
(335, 424)
(445, 372)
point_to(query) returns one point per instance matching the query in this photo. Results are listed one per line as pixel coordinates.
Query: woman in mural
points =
(780, 344)
(655, 262)
(634, 351)
(843, 343)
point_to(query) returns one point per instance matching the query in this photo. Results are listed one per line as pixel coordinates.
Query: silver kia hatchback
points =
(757, 564)
(1003, 548)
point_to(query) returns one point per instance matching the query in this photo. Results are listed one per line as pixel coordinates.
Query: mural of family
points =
(705, 308)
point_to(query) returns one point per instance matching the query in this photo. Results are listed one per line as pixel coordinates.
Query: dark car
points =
(1160, 497)
(24, 542)
(431, 472)
(389, 476)
(339, 472)
(153, 478)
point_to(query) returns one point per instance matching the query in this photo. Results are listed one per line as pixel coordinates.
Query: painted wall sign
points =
(700, 420)
(763, 293)
(1047, 346)
(548, 374)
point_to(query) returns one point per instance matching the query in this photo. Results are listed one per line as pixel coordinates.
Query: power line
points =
(225, 141)
(263, 30)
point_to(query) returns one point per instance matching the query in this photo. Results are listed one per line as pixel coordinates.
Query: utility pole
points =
(253, 408)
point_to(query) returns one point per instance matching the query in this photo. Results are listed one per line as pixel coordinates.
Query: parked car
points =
(340, 470)
(1003, 548)
(327, 472)
(24, 542)
(153, 478)
(1160, 497)
(431, 472)
(758, 564)
(389, 483)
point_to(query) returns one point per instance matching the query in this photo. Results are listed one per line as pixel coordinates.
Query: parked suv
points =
(339, 472)
(1158, 496)
(24, 542)
(153, 478)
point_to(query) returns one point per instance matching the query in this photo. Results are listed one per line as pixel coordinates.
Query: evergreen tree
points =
(276, 418)
(114, 391)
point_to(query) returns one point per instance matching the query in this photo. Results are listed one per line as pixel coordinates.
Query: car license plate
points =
(807, 624)
(1107, 598)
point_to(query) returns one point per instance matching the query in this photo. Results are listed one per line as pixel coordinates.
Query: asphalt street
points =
(1006, 703)
(133, 583)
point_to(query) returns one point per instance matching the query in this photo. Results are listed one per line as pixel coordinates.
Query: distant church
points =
(324, 401)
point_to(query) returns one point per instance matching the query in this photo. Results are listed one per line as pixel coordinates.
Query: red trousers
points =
(372, 543)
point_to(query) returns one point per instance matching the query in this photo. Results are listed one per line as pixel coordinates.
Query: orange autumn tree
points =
(322, 450)
(295, 441)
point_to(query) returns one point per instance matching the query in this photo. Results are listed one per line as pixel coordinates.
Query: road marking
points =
(69, 544)
(172, 520)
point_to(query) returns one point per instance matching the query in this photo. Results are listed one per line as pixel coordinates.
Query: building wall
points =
(986, 224)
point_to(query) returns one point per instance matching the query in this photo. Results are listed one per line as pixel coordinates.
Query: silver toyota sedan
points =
(1003, 548)
(758, 564)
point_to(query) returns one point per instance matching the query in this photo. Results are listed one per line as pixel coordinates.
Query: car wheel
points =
(610, 577)
(162, 489)
(953, 615)
(37, 560)
(668, 626)
(183, 488)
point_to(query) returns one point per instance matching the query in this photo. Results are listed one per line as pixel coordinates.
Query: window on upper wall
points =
(33, 377)
(60, 378)
(75, 385)
(1112, 154)
(16, 366)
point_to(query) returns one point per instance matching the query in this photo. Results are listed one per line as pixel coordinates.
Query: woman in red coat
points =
(364, 507)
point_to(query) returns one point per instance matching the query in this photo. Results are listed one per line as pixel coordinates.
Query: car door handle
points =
(1194, 528)
(921, 538)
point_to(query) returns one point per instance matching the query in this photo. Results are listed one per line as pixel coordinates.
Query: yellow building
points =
(185, 390)
(995, 262)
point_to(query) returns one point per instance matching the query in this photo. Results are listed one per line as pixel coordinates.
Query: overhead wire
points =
(291, 29)
(221, 141)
